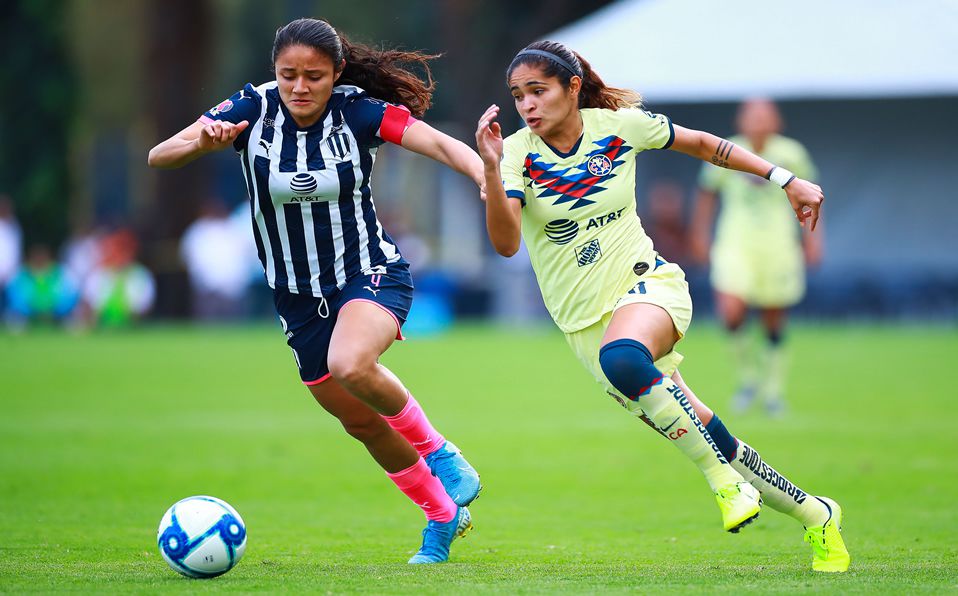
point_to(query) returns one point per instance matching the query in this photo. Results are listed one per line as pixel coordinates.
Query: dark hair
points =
(381, 73)
(556, 60)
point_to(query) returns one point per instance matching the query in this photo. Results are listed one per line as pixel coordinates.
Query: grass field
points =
(100, 433)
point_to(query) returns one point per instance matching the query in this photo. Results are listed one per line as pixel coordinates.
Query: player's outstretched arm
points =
(194, 141)
(426, 140)
(805, 197)
(503, 215)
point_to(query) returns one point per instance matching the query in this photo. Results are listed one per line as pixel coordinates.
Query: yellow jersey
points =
(754, 213)
(579, 221)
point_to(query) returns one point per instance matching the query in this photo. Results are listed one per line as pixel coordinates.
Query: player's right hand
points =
(806, 199)
(489, 137)
(219, 134)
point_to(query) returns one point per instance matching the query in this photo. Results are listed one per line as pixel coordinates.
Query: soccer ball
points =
(201, 537)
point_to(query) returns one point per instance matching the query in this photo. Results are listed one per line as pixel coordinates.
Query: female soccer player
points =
(566, 185)
(758, 257)
(307, 142)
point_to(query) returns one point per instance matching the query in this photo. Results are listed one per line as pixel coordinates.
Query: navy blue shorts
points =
(308, 321)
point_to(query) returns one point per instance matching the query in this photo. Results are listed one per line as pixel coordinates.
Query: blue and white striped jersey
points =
(314, 222)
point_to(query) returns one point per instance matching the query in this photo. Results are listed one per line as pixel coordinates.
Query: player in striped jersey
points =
(566, 185)
(307, 142)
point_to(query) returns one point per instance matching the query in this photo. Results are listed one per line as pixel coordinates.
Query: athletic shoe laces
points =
(816, 537)
(443, 463)
(436, 538)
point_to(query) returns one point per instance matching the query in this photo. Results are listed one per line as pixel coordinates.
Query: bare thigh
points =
(648, 324)
(363, 332)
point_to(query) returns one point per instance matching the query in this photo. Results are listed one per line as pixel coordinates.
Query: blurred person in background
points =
(342, 290)
(259, 296)
(432, 310)
(10, 245)
(40, 292)
(398, 219)
(665, 221)
(759, 252)
(215, 251)
(119, 291)
(82, 252)
(565, 185)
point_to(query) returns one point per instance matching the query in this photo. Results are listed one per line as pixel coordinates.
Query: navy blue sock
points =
(723, 439)
(775, 337)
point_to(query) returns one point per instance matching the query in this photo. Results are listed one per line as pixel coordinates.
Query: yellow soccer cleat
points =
(740, 504)
(829, 554)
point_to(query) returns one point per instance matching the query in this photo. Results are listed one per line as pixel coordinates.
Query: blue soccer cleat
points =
(460, 480)
(438, 536)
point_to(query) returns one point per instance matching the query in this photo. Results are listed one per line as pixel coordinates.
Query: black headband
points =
(558, 60)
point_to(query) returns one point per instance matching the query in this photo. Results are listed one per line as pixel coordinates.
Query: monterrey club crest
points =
(599, 165)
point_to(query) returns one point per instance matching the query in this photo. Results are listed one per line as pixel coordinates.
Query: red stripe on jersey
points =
(396, 119)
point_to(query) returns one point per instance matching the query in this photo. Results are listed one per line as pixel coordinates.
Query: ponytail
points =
(556, 60)
(383, 74)
(595, 93)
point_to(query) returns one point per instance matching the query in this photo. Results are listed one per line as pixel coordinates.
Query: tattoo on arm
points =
(723, 153)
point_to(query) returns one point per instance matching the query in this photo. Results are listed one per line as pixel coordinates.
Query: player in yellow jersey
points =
(565, 184)
(759, 253)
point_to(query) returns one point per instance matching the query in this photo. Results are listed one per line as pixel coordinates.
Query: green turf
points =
(100, 433)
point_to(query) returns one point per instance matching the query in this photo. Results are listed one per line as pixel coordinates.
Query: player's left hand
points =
(806, 199)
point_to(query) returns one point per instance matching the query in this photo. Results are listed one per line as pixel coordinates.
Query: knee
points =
(732, 313)
(349, 370)
(629, 367)
(365, 428)
(733, 322)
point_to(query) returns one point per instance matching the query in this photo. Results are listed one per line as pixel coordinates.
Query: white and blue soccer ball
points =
(202, 537)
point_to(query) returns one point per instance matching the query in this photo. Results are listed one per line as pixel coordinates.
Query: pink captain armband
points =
(396, 119)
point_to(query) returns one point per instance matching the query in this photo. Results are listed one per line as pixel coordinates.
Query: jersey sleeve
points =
(512, 168)
(245, 104)
(646, 130)
(373, 121)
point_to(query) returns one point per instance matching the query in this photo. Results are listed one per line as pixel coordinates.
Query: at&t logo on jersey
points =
(602, 220)
(561, 231)
(303, 184)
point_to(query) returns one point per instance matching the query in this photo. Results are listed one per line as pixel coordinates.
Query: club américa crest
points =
(599, 165)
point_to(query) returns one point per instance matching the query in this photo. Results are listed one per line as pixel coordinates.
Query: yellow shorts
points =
(771, 279)
(665, 287)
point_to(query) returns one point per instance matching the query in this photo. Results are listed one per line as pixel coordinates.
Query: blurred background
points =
(89, 235)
